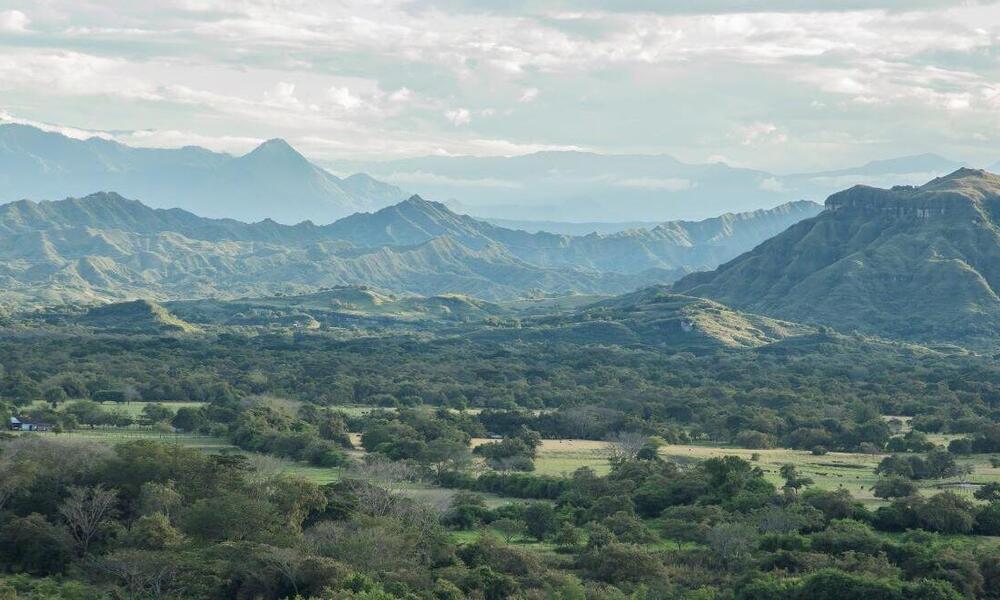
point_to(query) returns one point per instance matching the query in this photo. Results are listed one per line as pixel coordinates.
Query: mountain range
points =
(582, 186)
(915, 263)
(576, 192)
(273, 181)
(105, 247)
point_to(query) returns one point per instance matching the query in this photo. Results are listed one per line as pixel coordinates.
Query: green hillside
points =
(106, 248)
(656, 317)
(919, 263)
(138, 316)
(343, 305)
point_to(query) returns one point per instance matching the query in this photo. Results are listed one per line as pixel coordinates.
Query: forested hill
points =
(106, 247)
(920, 263)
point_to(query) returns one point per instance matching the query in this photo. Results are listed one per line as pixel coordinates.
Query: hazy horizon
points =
(790, 87)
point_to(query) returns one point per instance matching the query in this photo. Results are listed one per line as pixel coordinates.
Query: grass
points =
(120, 435)
(852, 471)
(132, 409)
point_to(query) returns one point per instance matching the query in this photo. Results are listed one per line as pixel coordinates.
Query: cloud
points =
(14, 21)
(417, 178)
(342, 96)
(617, 77)
(771, 184)
(458, 116)
(528, 95)
(667, 184)
(758, 132)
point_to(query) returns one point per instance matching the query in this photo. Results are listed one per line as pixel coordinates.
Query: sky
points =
(781, 85)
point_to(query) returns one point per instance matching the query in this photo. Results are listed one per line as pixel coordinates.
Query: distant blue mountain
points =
(273, 181)
(601, 189)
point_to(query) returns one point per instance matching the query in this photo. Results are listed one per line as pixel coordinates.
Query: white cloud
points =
(257, 68)
(528, 95)
(771, 184)
(758, 132)
(667, 184)
(418, 178)
(342, 96)
(458, 116)
(403, 94)
(14, 21)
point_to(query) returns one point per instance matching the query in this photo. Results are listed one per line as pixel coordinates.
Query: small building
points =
(20, 425)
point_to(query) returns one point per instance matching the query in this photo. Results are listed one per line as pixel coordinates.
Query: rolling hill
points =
(655, 317)
(273, 181)
(917, 263)
(339, 306)
(138, 316)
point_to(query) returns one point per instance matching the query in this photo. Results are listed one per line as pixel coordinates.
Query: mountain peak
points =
(276, 143)
(276, 148)
(416, 200)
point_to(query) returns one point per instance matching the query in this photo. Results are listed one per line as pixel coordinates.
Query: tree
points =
(34, 545)
(154, 532)
(159, 498)
(732, 543)
(625, 445)
(379, 483)
(988, 493)
(894, 486)
(508, 528)
(285, 561)
(85, 511)
(568, 537)
(55, 395)
(946, 512)
(15, 476)
(139, 574)
(156, 413)
(540, 520)
(620, 563)
(793, 479)
(189, 419)
(447, 455)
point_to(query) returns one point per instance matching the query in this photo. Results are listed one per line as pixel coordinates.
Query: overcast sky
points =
(784, 85)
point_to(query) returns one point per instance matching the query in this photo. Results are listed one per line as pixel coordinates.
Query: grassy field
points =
(133, 409)
(852, 471)
(119, 435)
(562, 457)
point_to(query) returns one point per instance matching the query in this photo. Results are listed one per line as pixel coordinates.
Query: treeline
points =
(823, 392)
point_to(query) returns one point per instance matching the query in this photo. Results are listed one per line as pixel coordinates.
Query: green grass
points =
(852, 471)
(133, 409)
(120, 435)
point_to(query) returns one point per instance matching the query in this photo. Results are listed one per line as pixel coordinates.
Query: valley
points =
(716, 400)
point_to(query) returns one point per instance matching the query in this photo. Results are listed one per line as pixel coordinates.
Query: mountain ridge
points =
(916, 263)
(108, 247)
(271, 181)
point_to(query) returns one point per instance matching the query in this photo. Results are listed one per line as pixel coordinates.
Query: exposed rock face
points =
(917, 263)
(962, 195)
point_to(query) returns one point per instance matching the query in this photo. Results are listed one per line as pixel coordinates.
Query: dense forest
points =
(151, 519)
(821, 390)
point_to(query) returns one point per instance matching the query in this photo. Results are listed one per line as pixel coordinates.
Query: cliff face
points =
(917, 263)
(964, 194)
